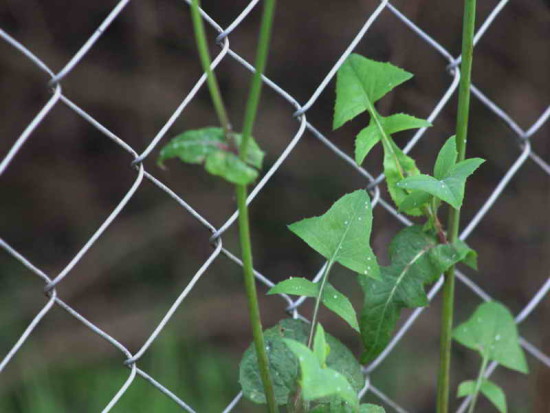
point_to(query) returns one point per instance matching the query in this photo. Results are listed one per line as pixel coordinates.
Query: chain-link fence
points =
(132, 360)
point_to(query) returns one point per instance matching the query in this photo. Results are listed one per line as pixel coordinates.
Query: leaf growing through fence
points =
(333, 299)
(342, 234)
(284, 365)
(491, 390)
(416, 260)
(318, 381)
(492, 331)
(209, 146)
(449, 180)
(360, 83)
(370, 136)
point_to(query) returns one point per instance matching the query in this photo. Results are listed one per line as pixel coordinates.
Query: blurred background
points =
(68, 177)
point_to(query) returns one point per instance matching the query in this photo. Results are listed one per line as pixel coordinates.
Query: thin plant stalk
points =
(478, 383)
(318, 300)
(241, 191)
(251, 110)
(443, 380)
(206, 63)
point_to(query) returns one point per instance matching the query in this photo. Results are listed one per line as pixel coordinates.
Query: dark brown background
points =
(68, 176)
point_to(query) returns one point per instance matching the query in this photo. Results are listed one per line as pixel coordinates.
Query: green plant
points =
(296, 364)
(468, 28)
(492, 332)
(419, 254)
(234, 157)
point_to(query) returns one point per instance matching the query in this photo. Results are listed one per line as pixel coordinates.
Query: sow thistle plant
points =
(295, 363)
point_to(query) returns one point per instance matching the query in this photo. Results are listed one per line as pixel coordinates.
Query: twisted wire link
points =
(54, 82)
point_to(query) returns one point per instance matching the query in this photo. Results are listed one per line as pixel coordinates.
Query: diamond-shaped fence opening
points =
(303, 130)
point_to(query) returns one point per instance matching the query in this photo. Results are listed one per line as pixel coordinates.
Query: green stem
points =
(297, 404)
(318, 300)
(256, 84)
(478, 383)
(241, 191)
(443, 381)
(252, 295)
(212, 81)
(244, 230)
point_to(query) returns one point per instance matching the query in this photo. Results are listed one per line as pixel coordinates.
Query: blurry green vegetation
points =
(201, 376)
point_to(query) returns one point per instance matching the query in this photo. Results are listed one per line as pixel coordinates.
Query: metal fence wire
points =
(131, 360)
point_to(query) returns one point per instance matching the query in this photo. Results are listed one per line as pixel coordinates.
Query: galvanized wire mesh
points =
(131, 360)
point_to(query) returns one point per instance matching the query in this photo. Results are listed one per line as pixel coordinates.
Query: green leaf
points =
(295, 286)
(495, 394)
(491, 390)
(466, 388)
(450, 188)
(211, 147)
(397, 165)
(360, 83)
(470, 256)
(414, 200)
(342, 234)
(284, 364)
(320, 346)
(338, 406)
(230, 167)
(317, 382)
(333, 299)
(339, 304)
(416, 260)
(446, 158)
(371, 408)
(492, 331)
(371, 135)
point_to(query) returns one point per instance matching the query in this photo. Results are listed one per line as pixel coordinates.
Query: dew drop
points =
(335, 296)
(497, 337)
(345, 222)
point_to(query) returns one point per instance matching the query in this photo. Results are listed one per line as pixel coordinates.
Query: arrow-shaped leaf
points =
(448, 181)
(342, 234)
(333, 299)
(361, 82)
(492, 331)
(359, 77)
